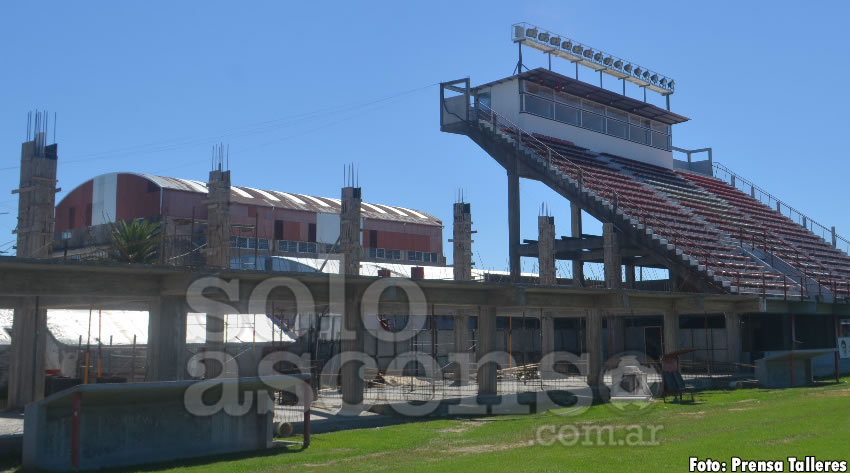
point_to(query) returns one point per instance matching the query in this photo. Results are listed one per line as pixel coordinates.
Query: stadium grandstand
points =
(612, 156)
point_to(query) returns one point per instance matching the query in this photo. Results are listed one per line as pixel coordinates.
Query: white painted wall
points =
(327, 227)
(104, 199)
(505, 100)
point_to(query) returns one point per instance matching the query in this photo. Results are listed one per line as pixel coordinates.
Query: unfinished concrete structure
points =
(350, 238)
(729, 300)
(218, 218)
(462, 241)
(546, 249)
(36, 199)
(611, 157)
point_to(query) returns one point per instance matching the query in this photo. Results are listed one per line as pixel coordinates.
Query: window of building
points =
(278, 229)
(536, 89)
(311, 233)
(88, 215)
(617, 128)
(566, 114)
(373, 238)
(567, 99)
(287, 246)
(307, 247)
(537, 106)
(263, 244)
(593, 121)
(587, 114)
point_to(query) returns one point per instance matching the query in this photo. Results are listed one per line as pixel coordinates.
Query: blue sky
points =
(298, 89)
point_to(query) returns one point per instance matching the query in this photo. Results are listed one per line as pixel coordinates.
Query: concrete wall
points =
(123, 425)
(824, 366)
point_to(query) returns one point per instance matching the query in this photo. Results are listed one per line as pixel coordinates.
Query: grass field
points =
(749, 423)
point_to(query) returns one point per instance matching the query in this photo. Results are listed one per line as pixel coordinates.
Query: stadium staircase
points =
(713, 236)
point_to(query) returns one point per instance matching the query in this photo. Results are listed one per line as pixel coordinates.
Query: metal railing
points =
(576, 115)
(774, 246)
(577, 173)
(827, 234)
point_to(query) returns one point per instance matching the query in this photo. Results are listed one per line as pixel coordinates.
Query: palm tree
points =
(136, 241)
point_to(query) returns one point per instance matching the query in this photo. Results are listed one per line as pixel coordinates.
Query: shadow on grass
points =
(202, 461)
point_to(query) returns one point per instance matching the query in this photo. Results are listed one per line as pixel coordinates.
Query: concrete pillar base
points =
(575, 232)
(351, 346)
(487, 372)
(593, 335)
(733, 339)
(166, 357)
(27, 354)
(214, 343)
(671, 332)
(461, 347)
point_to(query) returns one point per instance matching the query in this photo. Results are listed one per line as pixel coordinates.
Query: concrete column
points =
(513, 224)
(575, 227)
(349, 231)
(611, 256)
(462, 242)
(36, 197)
(630, 276)
(671, 331)
(487, 383)
(353, 335)
(28, 353)
(733, 337)
(547, 332)
(352, 343)
(460, 323)
(214, 342)
(218, 219)
(166, 355)
(546, 249)
(617, 339)
(593, 343)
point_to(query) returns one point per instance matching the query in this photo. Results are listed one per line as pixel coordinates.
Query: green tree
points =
(136, 241)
